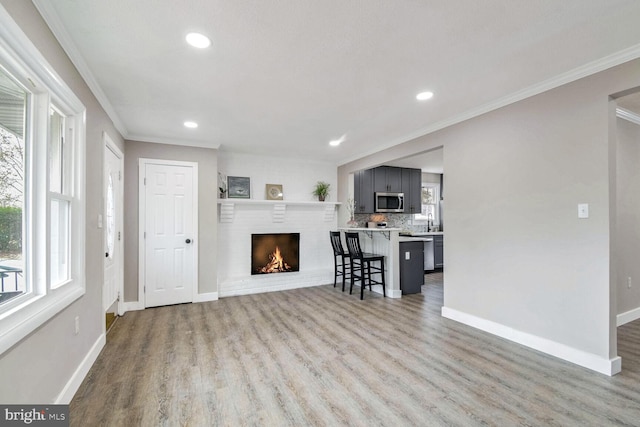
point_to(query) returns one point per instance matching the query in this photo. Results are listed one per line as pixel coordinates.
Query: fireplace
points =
(275, 253)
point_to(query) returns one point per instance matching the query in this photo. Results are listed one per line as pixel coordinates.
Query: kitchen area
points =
(404, 197)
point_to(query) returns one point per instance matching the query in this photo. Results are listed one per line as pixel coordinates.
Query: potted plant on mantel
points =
(321, 190)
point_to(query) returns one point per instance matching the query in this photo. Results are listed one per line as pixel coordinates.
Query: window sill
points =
(25, 318)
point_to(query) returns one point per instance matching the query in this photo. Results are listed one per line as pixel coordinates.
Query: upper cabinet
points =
(387, 179)
(412, 189)
(363, 191)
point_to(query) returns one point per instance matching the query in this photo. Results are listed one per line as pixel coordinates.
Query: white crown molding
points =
(173, 141)
(588, 69)
(628, 115)
(50, 16)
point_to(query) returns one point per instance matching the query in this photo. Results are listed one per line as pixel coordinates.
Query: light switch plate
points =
(583, 210)
(407, 255)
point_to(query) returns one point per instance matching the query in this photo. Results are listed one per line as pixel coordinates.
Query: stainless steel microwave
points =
(389, 202)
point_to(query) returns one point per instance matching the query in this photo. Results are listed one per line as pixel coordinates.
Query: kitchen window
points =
(42, 208)
(430, 203)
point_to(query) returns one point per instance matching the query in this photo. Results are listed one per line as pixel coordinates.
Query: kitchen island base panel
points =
(383, 241)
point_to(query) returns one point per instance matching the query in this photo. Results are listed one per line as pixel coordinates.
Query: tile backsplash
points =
(404, 221)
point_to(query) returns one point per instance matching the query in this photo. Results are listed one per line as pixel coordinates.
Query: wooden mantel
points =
(278, 207)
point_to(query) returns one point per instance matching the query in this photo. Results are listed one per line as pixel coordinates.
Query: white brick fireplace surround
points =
(239, 219)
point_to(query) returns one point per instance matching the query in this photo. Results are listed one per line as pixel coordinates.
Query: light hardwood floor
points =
(317, 356)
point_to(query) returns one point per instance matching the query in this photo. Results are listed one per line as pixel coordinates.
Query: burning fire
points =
(276, 263)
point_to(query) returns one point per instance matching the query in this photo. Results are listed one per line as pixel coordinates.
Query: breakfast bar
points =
(382, 241)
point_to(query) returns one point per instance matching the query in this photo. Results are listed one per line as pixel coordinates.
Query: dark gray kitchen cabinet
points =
(363, 192)
(387, 179)
(412, 189)
(438, 251)
(411, 267)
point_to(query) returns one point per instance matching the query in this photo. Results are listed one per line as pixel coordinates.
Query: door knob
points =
(188, 241)
(106, 254)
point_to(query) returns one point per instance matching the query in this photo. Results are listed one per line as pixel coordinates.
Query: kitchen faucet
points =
(429, 221)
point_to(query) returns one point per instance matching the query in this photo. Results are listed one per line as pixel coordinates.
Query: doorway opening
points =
(626, 282)
(111, 221)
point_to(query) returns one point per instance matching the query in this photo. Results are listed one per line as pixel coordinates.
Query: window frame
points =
(436, 217)
(21, 59)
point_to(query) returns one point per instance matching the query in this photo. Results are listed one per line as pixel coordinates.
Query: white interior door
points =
(112, 225)
(169, 232)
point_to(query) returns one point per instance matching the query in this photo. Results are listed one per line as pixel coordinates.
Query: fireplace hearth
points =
(275, 253)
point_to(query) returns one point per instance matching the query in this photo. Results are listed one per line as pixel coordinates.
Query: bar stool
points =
(341, 261)
(361, 267)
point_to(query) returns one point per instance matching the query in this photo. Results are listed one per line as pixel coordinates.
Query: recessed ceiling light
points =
(338, 141)
(190, 125)
(198, 40)
(423, 96)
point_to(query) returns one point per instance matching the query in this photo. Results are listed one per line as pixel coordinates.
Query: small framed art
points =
(239, 187)
(274, 191)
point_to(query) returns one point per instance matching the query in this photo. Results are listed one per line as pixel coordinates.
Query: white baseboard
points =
(208, 296)
(628, 316)
(396, 293)
(260, 290)
(562, 351)
(69, 390)
(133, 306)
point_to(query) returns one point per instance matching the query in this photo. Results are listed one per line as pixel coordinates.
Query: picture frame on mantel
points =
(274, 191)
(239, 187)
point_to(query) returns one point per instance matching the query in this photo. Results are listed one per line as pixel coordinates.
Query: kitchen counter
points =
(369, 229)
(382, 241)
(402, 238)
(421, 233)
(386, 241)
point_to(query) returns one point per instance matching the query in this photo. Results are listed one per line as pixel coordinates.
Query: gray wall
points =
(37, 368)
(516, 253)
(430, 177)
(628, 215)
(207, 160)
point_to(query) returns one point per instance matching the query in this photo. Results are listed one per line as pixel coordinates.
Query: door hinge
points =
(145, 181)
(118, 236)
(119, 176)
(144, 235)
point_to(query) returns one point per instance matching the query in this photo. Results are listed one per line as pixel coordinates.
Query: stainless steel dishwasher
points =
(429, 264)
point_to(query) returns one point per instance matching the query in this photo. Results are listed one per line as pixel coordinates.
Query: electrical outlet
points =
(629, 282)
(407, 255)
(77, 325)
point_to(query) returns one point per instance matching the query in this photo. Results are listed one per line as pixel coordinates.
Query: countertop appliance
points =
(389, 202)
(373, 224)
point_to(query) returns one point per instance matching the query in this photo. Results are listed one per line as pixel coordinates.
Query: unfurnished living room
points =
(319, 212)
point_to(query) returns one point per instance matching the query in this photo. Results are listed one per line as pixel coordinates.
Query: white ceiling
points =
(285, 77)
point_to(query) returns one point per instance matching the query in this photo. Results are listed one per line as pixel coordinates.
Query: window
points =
(41, 189)
(13, 107)
(430, 203)
(60, 196)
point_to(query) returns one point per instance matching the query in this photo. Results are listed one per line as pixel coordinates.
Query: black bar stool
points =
(341, 261)
(361, 267)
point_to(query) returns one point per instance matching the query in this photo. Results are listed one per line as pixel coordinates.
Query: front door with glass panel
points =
(112, 223)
